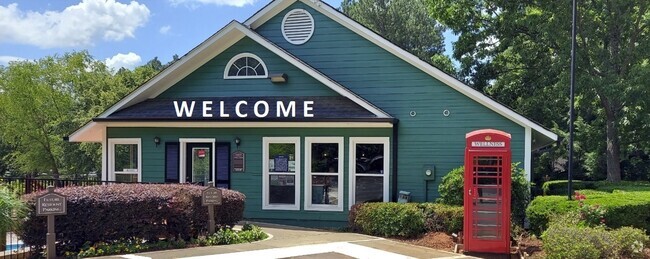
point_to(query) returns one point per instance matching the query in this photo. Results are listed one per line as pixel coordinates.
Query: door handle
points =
(470, 192)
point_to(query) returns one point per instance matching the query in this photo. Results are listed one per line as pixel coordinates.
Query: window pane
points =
(282, 157)
(252, 62)
(126, 157)
(325, 189)
(370, 159)
(240, 62)
(233, 71)
(126, 178)
(201, 165)
(324, 157)
(282, 189)
(369, 189)
(250, 72)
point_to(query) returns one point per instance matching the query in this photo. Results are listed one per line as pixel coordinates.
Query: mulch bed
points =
(436, 240)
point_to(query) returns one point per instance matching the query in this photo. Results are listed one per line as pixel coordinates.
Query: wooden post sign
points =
(209, 197)
(51, 204)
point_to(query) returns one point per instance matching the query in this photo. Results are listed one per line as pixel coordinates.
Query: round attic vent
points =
(297, 26)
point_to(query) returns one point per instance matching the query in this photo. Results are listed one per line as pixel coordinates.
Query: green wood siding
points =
(398, 88)
(208, 79)
(249, 182)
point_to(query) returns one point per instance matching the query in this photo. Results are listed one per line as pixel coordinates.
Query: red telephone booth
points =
(487, 192)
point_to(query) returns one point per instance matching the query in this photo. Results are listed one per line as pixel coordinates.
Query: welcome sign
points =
(243, 109)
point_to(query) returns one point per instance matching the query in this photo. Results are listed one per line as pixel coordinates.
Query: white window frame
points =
(308, 173)
(352, 164)
(245, 55)
(111, 156)
(266, 141)
(182, 163)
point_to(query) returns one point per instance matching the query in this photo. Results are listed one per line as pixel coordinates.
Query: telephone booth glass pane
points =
(487, 202)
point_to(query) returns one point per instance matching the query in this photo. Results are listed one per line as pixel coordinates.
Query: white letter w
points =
(184, 109)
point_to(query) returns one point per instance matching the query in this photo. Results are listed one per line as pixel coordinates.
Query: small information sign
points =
(238, 161)
(51, 203)
(211, 196)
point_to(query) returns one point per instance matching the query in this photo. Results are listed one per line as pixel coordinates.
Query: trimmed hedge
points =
(390, 219)
(106, 213)
(566, 239)
(622, 208)
(442, 218)
(560, 187)
(404, 219)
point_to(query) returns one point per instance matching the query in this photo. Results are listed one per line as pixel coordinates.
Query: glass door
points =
(486, 195)
(199, 163)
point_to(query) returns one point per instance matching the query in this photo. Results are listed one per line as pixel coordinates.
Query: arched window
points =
(245, 65)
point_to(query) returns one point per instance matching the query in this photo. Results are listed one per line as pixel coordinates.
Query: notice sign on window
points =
(238, 161)
(281, 164)
(488, 144)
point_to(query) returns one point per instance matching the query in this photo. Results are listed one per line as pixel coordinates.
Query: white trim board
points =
(266, 204)
(95, 131)
(277, 6)
(183, 155)
(111, 155)
(339, 141)
(352, 170)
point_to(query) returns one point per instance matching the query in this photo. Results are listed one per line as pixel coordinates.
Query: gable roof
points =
(204, 52)
(276, 6)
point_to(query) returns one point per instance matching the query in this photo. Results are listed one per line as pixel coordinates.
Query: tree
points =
(519, 52)
(405, 23)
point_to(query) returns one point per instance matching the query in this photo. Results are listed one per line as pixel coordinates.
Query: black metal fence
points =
(12, 247)
(22, 186)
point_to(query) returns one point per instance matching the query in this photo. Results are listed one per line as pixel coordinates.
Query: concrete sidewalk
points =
(294, 242)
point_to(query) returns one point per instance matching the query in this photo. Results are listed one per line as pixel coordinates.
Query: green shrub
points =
(621, 209)
(442, 218)
(106, 213)
(390, 219)
(224, 236)
(566, 239)
(622, 186)
(560, 187)
(451, 188)
(11, 208)
(451, 191)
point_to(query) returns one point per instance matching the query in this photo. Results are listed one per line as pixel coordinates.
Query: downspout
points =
(394, 158)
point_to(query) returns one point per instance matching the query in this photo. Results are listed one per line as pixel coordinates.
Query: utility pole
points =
(572, 99)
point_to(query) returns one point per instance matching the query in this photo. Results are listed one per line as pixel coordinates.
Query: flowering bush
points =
(590, 215)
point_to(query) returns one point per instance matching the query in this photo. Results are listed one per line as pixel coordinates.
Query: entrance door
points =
(198, 161)
(488, 197)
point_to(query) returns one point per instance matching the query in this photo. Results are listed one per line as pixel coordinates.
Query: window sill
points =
(335, 208)
(280, 207)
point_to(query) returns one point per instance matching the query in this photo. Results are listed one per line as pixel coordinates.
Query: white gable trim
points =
(210, 49)
(278, 5)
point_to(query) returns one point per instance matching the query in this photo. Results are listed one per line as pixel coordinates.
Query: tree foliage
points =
(43, 101)
(519, 52)
(405, 23)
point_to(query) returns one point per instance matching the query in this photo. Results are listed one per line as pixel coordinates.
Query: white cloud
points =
(129, 61)
(78, 25)
(237, 3)
(165, 30)
(4, 60)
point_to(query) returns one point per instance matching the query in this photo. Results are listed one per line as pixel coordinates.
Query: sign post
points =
(51, 204)
(209, 197)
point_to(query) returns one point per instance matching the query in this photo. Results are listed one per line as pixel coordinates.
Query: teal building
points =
(306, 112)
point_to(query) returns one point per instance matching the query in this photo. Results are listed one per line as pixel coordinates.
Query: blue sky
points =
(118, 32)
